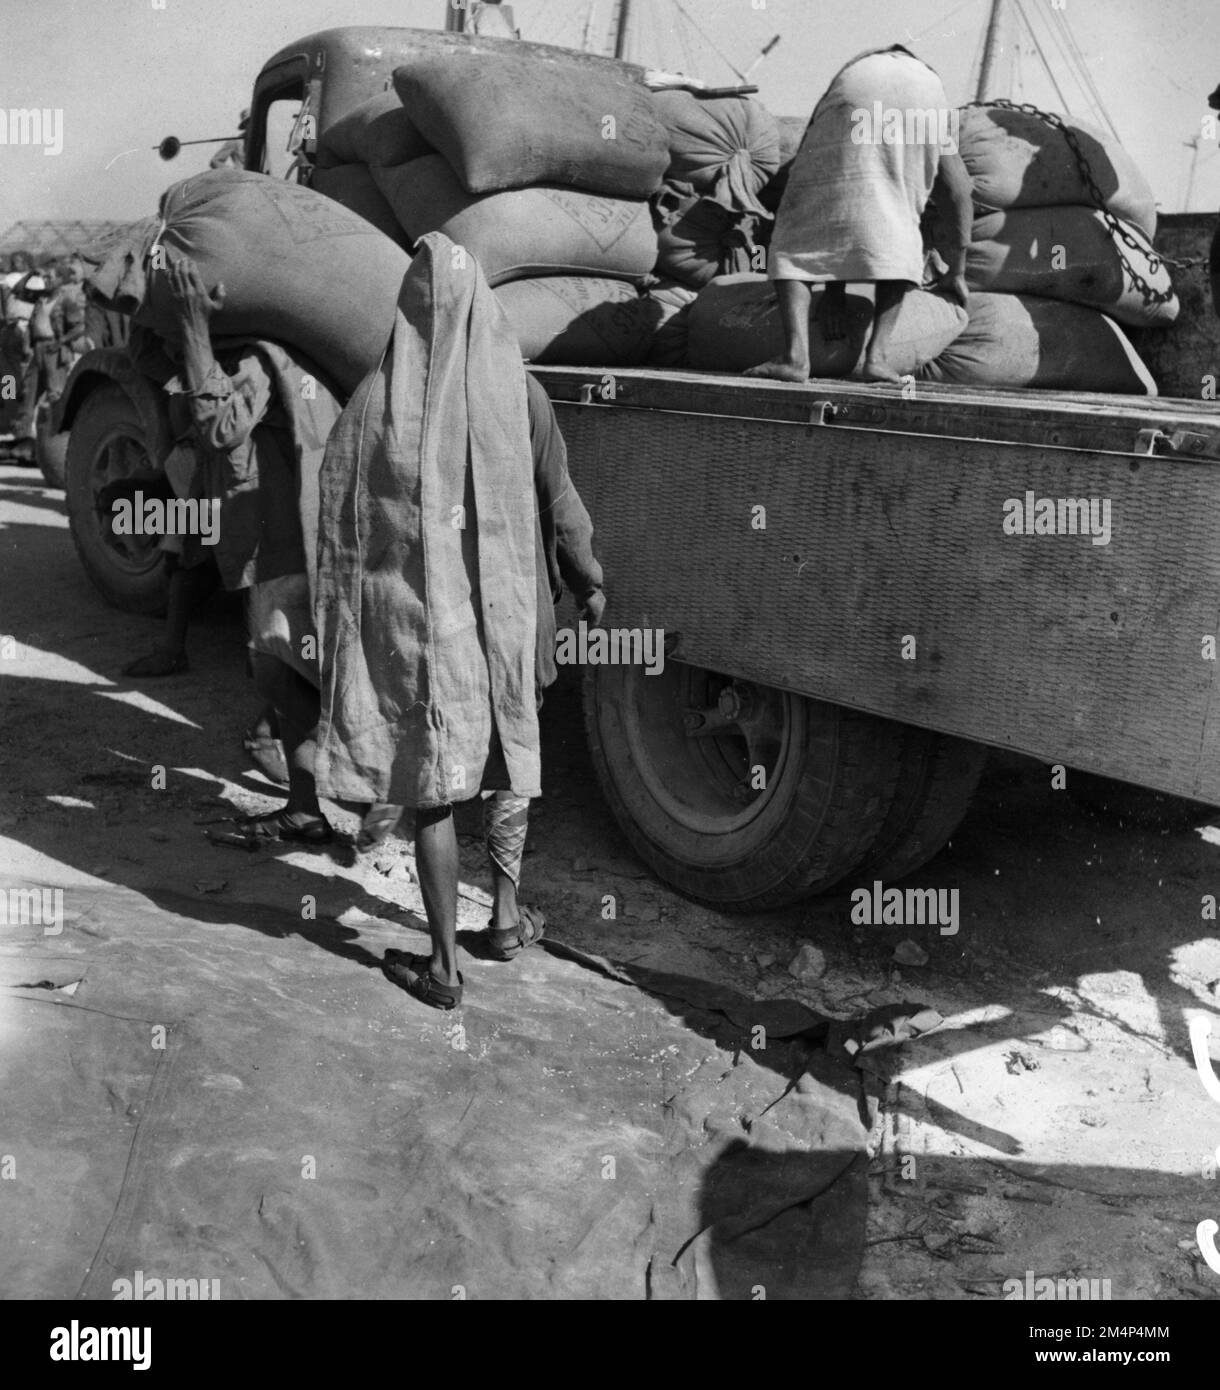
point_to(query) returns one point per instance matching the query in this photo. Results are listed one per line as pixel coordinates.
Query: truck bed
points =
(884, 521)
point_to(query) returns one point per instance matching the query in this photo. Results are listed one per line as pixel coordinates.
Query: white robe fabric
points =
(851, 209)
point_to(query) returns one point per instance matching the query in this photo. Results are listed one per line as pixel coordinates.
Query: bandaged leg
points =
(505, 822)
(513, 926)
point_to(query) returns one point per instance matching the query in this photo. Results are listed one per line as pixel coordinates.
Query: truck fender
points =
(113, 364)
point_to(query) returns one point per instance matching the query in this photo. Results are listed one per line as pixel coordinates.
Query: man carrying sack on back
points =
(261, 421)
(447, 529)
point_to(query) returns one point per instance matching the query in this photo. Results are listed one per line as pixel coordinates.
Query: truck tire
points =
(674, 754)
(107, 443)
(1127, 804)
(50, 450)
(939, 777)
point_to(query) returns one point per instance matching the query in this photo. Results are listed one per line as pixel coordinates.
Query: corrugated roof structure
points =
(46, 240)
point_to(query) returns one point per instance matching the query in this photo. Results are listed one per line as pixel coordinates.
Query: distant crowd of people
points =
(46, 323)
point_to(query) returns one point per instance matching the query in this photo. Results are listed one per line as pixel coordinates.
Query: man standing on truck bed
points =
(852, 207)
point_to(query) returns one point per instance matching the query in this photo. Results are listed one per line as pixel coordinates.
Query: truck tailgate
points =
(882, 520)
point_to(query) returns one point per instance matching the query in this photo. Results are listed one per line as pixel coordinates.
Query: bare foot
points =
(876, 370)
(780, 369)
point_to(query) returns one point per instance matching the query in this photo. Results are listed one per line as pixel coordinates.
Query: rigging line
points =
(1050, 72)
(678, 5)
(587, 37)
(976, 63)
(965, 5)
(1186, 91)
(635, 39)
(690, 57)
(1069, 66)
(650, 45)
(1085, 78)
(1077, 52)
(1082, 65)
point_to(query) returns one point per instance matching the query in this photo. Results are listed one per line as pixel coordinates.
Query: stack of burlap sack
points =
(1052, 276)
(1049, 288)
(622, 226)
(595, 207)
(539, 163)
(297, 268)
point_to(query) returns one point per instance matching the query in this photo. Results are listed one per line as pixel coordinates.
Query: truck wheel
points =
(107, 445)
(1127, 804)
(678, 757)
(50, 450)
(938, 778)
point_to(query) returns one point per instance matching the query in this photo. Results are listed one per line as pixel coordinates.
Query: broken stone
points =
(808, 964)
(212, 885)
(1019, 1060)
(765, 962)
(909, 952)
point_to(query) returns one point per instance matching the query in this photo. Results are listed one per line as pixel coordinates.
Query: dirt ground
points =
(1055, 1125)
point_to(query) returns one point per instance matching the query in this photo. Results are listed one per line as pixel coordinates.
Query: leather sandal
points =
(530, 928)
(253, 831)
(414, 974)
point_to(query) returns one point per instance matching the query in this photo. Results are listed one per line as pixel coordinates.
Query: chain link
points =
(1120, 233)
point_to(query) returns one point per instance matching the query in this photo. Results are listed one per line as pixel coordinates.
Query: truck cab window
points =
(282, 139)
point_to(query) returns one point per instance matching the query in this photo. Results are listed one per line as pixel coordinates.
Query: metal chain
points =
(1120, 233)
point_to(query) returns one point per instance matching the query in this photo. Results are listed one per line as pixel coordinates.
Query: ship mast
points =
(993, 45)
(618, 26)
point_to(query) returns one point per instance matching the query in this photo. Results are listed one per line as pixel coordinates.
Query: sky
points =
(124, 73)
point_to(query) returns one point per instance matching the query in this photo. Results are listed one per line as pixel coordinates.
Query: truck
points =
(851, 618)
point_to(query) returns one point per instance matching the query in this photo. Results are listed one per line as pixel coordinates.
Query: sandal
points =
(253, 831)
(530, 928)
(414, 974)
